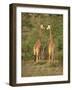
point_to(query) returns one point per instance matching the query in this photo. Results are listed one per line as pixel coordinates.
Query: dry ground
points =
(29, 68)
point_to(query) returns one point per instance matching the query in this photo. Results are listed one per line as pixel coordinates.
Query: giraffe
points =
(37, 46)
(36, 50)
(51, 46)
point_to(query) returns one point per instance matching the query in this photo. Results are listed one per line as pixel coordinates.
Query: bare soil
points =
(30, 68)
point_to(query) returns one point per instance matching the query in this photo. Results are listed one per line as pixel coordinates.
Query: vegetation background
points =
(31, 32)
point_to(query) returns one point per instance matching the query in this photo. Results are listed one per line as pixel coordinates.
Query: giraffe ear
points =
(48, 27)
(41, 26)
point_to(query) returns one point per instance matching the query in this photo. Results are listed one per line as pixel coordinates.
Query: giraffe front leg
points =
(49, 52)
(53, 57)
(49, 59)
(37, 56)
(37, 59)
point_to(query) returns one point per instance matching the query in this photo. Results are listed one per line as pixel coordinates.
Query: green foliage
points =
(31, 32)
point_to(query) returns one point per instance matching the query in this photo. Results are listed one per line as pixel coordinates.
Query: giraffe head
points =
(42, 26)
(48, 27)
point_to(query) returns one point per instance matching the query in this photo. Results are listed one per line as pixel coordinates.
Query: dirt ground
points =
(29, 68)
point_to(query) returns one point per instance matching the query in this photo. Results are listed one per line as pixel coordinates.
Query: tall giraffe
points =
(51, 45)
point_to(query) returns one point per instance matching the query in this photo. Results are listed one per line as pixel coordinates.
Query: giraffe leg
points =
(49, 55)
(37, 57)
(53, 56)
(34, 58)
(49, 59)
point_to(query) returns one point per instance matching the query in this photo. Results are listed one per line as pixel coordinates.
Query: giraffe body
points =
(51, 45)
(51, 50)
(36, 50)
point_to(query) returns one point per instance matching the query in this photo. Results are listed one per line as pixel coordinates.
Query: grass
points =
(30, 68)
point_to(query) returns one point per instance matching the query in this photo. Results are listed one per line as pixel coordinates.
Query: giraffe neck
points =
(50, 35)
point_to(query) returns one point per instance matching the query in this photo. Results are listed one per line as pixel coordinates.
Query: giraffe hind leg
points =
(49, 59)
(34, 58)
